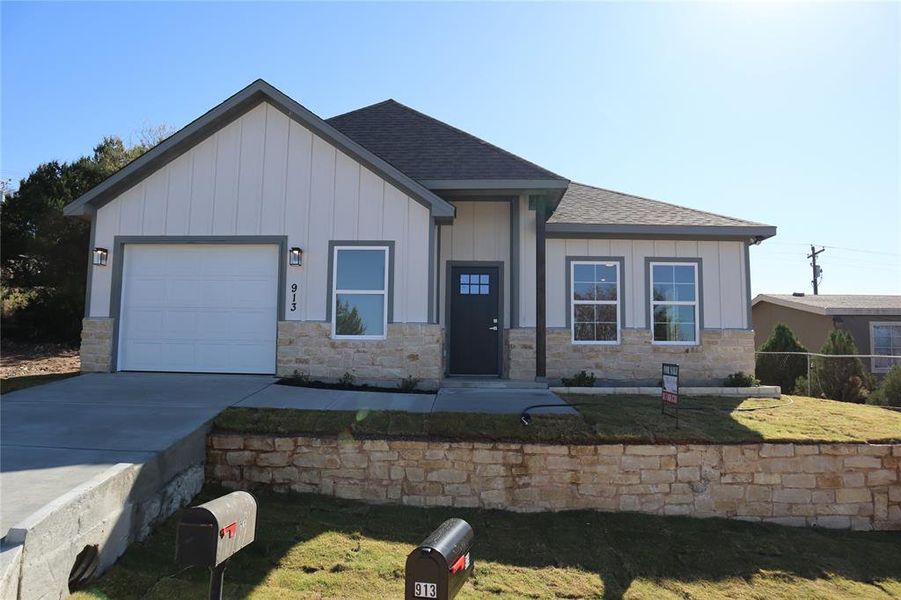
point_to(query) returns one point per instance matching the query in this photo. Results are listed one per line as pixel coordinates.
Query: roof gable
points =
(229, 110)
(434, 153)
(589, 209)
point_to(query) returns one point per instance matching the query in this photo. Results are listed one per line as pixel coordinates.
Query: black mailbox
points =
(441, 564)
(210, 533)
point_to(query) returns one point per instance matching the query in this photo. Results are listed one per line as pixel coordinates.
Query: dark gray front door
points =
(474, 320)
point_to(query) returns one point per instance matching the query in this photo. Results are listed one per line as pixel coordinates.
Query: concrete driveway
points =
(57, 436)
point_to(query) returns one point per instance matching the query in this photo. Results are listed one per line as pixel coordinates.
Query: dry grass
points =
(317, 547)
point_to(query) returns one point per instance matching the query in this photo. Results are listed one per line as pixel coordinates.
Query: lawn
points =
(604, 419)
(317, 547)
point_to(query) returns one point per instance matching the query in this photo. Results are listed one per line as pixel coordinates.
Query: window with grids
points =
(595, 302)
(885, 339)
(360, 292)
(674, 302)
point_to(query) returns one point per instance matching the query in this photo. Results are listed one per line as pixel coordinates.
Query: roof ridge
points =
(450, 127)
(362, 108)
(680, 206)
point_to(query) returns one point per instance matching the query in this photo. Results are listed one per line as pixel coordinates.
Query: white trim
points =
(873, 325)
(696, 303)
(614, 303)
(383, 292)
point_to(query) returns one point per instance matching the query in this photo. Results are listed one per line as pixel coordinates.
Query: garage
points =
(199, 308)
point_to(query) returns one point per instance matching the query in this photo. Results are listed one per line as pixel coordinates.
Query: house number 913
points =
(293, 297)
(425, 590)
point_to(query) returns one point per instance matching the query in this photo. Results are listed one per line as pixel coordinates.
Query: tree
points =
(43, 253)
(781, 369)
(839, 378)
(347, 320)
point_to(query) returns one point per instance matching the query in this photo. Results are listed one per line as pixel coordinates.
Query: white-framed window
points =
(360, 292)
(594, 302)
(674, 303)
(885, 338)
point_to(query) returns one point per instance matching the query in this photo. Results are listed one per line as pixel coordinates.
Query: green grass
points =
(13, 384)
(602, 420)
(316, 547)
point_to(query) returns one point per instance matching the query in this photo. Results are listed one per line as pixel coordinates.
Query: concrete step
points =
(492, 383)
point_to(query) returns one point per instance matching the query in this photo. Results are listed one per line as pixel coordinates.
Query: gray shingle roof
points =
(427, 149)
(837, 304)
(585, 204)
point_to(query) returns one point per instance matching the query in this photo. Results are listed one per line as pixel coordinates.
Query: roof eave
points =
(827, 311)
(749, 233)
(236, 105)
(494, 184)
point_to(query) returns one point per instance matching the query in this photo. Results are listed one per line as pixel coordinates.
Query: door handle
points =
(494, 328)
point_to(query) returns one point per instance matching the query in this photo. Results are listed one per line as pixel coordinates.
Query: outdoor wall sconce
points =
(295, 257)
(100, 256)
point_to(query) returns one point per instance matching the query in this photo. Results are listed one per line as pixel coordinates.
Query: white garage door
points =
(199, 308)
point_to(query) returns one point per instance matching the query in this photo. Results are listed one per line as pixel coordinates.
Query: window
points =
(472, 284)
(360, 292)
(595, 302)
(674, 302)
(885, 338)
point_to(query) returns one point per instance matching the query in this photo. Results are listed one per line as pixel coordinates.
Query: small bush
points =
(741, 379)
(408, 383)
(347, 380)
(580, 379)
(781, 369)
(839, 378)
(301, 377)
(889, 390)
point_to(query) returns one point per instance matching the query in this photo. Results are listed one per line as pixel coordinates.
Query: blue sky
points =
(787, 114)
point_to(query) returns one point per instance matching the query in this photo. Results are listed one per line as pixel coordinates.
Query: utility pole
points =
(817, 270)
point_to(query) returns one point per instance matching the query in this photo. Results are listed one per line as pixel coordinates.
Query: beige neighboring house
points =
(262, 238)
(873, 321)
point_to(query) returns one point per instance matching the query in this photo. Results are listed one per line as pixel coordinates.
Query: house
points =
(873, 321)
(384, 243)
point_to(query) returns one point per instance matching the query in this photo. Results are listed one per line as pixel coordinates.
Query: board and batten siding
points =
(480, 232)
(266, 174)
(724, 294)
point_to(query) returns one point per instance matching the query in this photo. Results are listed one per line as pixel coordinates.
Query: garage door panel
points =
(199, 308)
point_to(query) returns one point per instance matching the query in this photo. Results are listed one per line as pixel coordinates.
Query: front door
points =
(474, 320)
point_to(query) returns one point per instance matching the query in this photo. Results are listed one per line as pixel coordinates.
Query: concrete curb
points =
(10, 570)
(762, 391)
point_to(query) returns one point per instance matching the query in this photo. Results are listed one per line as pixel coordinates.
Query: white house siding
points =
(481, 231)
(265, 174)
(526, 263)
(725, 288)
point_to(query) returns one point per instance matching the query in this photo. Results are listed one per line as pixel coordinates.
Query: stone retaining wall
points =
(96, 345)
(411, 349)
(852, 486)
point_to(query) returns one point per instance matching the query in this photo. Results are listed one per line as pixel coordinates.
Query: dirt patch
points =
(19, 360)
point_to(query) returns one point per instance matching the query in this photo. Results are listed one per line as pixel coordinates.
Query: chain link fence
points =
(818, 374)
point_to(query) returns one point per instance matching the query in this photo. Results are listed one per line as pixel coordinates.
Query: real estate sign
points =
(670, 392)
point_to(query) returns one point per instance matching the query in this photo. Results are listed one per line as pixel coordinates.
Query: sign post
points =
(669, 397)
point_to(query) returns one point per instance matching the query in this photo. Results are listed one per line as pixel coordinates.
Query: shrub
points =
(889, 390)
(781, 369)
(741, 379)
(839, 378)
(408, 383)
(347, 380)
(580, 379)
(800, 388)
(301, 377)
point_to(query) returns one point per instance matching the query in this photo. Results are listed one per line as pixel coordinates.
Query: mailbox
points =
(210, 533)
(441, 564)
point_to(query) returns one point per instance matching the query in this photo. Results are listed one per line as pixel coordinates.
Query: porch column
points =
(541, 214)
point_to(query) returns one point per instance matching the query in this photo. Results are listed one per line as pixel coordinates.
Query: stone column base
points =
(96, 345)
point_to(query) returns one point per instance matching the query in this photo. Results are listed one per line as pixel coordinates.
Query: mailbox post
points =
(441, 564)
(211, 533)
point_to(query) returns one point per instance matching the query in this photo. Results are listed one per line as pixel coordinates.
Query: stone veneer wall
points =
(635, 360)
(829, 485)
(96, 345)
(519, 354)
(411, 349)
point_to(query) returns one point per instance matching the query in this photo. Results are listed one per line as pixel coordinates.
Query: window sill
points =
(358, 338)
(584, 343)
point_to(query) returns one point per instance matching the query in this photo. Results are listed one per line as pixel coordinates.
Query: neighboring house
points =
(873, 321)
(382, 242)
